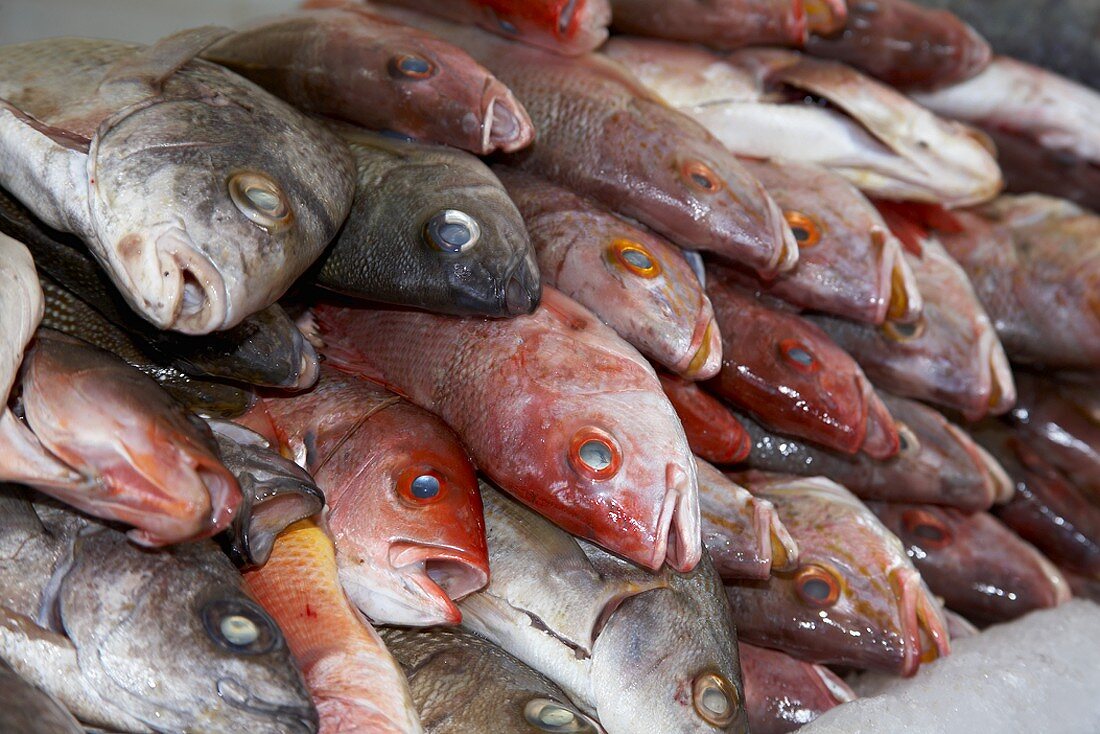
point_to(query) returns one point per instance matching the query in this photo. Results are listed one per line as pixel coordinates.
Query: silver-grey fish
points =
(28, 709)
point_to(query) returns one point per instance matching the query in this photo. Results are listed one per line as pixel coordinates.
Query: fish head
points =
(565, 26)
(206, 210)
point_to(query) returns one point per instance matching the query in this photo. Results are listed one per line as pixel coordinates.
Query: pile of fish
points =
(629, 366)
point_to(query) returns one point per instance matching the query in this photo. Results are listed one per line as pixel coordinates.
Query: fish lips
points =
(283, 718)
(435, 577)
(475, 291)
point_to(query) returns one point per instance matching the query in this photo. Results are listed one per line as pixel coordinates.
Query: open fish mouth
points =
(704, 356)
(505, 124)
(997, 383)
(786, 249)
(441, 576)
(679, 532)
(925, 630)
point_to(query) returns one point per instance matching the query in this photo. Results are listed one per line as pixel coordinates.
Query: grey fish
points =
(140, 641)
(644, 652)
(431, 227)
(462, 683)
(21, 308)
(28, 708)
(202, 195)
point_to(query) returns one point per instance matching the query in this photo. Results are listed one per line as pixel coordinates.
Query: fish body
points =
(713, 432)
(431, 227)
(855, 598)
(637, 282)
(359, 66)
(353, 680)
(21, 309)
(203, 196)
(580, 429)
(726, 24)
(30, 709)
(789, 374)
(782, 693)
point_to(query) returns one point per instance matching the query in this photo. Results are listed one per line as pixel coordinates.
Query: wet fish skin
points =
(386, 251)
(167, 164)
(655, 302)
(783, 693)
(132, 640)
(581, 387)
(810, 613)
(21, 309)
(713, 433)
(978, 566)
(462, 683)
(725, 24)
(29, 708)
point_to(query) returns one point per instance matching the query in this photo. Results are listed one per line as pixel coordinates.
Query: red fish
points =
(725, 24)
(403, 505)
(554, 407)
(712, 431)
(783, 694)
(790, 375)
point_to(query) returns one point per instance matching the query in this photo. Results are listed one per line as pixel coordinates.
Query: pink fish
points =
(783, 694)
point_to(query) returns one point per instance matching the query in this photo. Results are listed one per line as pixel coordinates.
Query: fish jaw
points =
(679, 527)
(704, 357)
(925, 630)
(424, 579)
(905, 302)
(505, 124)
(776, 543)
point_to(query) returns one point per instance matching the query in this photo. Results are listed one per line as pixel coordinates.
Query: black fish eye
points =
(452, 231)
(240, 626)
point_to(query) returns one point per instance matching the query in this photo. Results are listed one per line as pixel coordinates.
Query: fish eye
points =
(805, 229)
(699, 176)
(635, 258)
(715, 699)
(566, 17)
(240, 626)
(594, 454)
(261, 200)
(926, 529)
(411, 66)
(908, 441)
(452, 231)
(421, 487)
(904, 332)
(816, 586)
(551, 716)
(798, 355)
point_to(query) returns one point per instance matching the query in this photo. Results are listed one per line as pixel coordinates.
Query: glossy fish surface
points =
(21, 309)
(783, 693)
(29, 708)
(725, 24)
(712, 430)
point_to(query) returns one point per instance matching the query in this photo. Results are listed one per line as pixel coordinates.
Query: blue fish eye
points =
(452, 231)
(425, 487)
(411, 66)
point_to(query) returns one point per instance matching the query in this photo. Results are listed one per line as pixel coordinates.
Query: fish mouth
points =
(905, 303)
(776, 543)
(523, 289)
(786, 253)
(291, 719)
(923, 626)
(309, 367)
(505, 124)
(163, 515)
(825, 17)
(1003, 486)
(704, 357)
(679, 530)
(191, 295)
(881, 440)
(443, 575)
(1002, 388)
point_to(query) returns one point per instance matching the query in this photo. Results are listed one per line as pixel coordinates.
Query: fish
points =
(1040, 122)
(854, 600)
(433, 228)
(1034, 261)
(792, 377)
(725, 24)
(783, 693)
(585, 435)
(350, 63)
(638, 283)
(276, 492)
(951, 356)
(644, 653)
(462, 683)
(21, 309)
(743, 534)
(30, 709)
(713, 433)
(403, 505)
(99, 435)
(352, 678)
(569, 27)
(201, 195)
(686, 186)
(849, 263)
(980, 568)
(139, 640)
(937, 462)
(775, 103)
(905, 45)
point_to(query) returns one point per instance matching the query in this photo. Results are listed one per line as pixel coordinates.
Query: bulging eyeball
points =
(240, 627)
(699, 176)
(817, 586)
(635, 258)
(595, 454)
(558, 718)
(806, 231)
(715, 699)
(260, 199)
(925, 529)
(411, 66)
(798, 355)
(452, 231)
(418, 486)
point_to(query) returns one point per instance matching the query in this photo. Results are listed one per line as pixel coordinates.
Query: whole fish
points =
(783, 693)
(101, 436)
(203, 196)
(276, 492)
(403, 506)
(771, 103)
(790, 375)
(713, 433)
(905, 45)
(21, 310)
(461, 683)
(357, 65)
(1033, 261)
(937, 463)
(594, 117)
(30, 709)
(353, 680)
(978, 566)
(855, 599)
(140, 641)
(742, 533)
(638, 283)
(849, 263)
(724, 24)
(580, 429)
(1041, 123)
(568, 27)
(645, 653)
(430, 227)
(950, 356)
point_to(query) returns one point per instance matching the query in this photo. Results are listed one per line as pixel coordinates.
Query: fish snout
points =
(441, 573)
(523, 290)
(679, 531)
(191, 293)
(881, 440)
(905, 303)
(786, 244)
(281, 718)
(923, 627)
(704, 357)
(505, 124)
(309, 367)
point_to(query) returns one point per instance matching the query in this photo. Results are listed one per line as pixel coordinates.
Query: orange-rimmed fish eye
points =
(595, 454)
(411, 66)
(904, 332)
(798, 355)
(816, 586)
(452, 231)
(551, 716)
(421, 487)
(925, 529)
(715, 699)
(907, 440)
(635, 258)
(805, 229)
(699, 176)
(261, 200)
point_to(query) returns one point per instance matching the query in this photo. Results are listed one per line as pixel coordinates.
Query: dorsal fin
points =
(152, 65)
